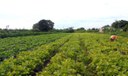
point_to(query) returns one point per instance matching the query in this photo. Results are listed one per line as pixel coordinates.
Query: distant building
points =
(101, 30)
(7, 27)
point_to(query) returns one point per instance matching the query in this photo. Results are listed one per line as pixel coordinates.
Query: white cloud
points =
(65, 13)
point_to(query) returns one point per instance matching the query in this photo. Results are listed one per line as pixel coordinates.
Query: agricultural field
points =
(75, 54)
(12, 46)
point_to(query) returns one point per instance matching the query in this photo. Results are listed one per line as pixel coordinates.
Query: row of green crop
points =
(27, 62)
(70, 61)
(107, 58)
(90, 55)
(85, 54)
(11, 46)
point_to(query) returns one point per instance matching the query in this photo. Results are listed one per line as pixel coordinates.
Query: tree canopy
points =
(43, 25)
(121, 24)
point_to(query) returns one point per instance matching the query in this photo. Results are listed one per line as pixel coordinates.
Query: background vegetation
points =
(119, 27)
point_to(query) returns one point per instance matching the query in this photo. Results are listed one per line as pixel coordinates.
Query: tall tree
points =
(125, 28)
(43, 25)
(119, 24)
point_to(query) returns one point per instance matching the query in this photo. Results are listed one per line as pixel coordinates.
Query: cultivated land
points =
(75, 54)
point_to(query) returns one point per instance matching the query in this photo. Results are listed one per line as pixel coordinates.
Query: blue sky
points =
(64, 13)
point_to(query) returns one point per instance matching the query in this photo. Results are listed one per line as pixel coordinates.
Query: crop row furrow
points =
(46, 62)
(25, 62)
(70, 60)
(12, 46)
(105, 56)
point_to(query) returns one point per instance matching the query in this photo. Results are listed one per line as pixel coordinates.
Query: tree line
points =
(47, 26)
(120, 25)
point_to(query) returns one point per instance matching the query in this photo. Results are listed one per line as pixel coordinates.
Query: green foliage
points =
(12, 46)
(125, 28)
(78, 54)
(89, 55)
(25, 62)
(4, 33)
(118, 27)
(121, 24)
(43, 25)
(93, 30)
(69, 30)
(69, 60)
(107, 28)
(80, 30)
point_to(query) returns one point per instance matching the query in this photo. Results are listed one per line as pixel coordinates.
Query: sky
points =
(22, 14)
